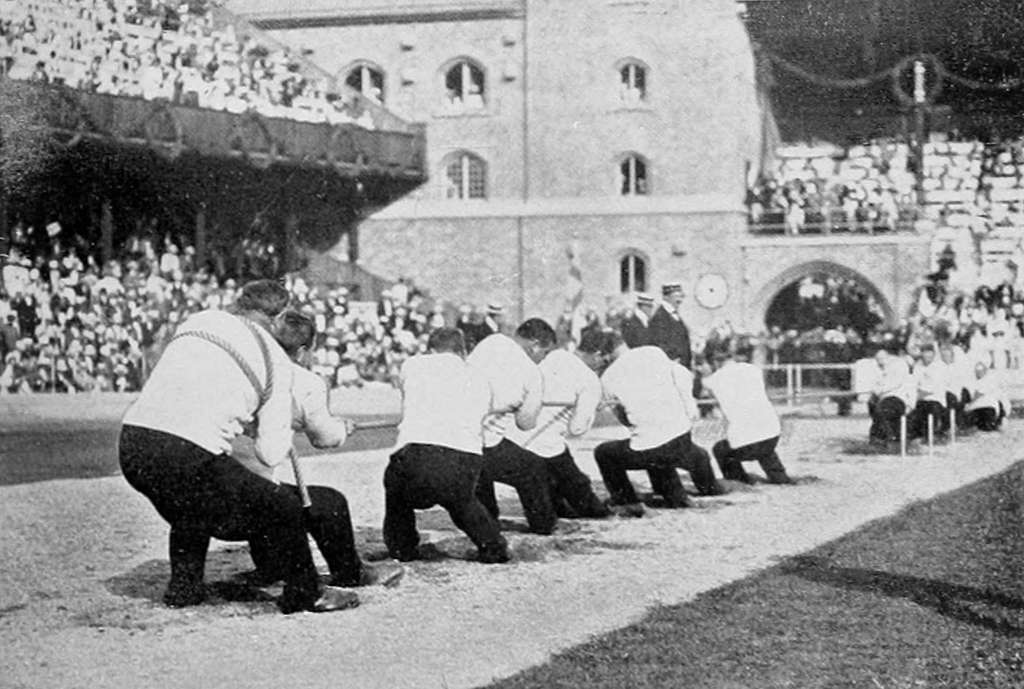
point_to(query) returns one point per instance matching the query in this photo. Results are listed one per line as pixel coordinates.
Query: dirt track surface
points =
(85, 563)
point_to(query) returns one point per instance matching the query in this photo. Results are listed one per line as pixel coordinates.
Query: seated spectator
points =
(988, 406)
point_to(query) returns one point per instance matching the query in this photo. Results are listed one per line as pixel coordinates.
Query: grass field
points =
(932, 597)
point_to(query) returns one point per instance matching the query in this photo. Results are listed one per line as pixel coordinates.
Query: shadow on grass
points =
(999, 612)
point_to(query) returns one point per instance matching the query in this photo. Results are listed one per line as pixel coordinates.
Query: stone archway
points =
(770, 290)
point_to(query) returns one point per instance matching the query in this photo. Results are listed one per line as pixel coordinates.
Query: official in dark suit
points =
(667, 330)
(635, 329)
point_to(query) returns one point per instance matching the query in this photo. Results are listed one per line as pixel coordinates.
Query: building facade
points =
(609, 139)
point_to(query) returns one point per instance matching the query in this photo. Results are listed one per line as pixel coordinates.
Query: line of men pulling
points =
(499, 414)
(923, 391)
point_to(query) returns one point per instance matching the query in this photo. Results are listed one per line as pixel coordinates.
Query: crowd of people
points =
(873, 187)
(160, 50)
(70, 323)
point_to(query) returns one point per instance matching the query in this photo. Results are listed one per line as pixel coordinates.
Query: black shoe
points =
(184, 597)
(493, 554)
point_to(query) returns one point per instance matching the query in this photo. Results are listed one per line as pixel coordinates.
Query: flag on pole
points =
(574, 290)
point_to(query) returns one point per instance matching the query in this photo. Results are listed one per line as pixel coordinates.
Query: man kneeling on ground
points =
(328, 519)
(654, 397)
(440, 446)
(752, 425)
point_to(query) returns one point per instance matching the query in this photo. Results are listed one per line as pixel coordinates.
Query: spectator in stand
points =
(988, 405)
(636, 328)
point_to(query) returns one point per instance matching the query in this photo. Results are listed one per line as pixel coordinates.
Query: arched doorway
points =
(824, 294)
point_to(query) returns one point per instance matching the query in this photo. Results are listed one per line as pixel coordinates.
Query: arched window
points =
(632, 273)
(465, 176)
(368, 79)
(632, 82)
(464, 86)
(633, 175)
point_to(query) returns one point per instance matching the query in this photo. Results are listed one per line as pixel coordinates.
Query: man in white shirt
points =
(752, 425)
(989, 405)
(328, 519)
(222, 371)
(509, 366)
(931, 380)
(566, 379)
(891, 393)
(654, 397)
(439, 453)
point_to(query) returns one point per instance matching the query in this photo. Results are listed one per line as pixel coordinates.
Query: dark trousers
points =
(570, 489)
(730, 460)
(987, 418)
(956, 403)
(918, 421)
(510, 464)
(328, 521)
(885, 418)
(202, 495)
(616, 457)
(421, 476)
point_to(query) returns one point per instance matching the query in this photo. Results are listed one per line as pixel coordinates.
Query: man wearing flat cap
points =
(667, 330)
(636, 328)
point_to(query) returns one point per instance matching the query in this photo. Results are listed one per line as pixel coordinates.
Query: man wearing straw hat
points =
(636, 328)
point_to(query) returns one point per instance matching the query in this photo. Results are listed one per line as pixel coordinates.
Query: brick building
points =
(619, 132)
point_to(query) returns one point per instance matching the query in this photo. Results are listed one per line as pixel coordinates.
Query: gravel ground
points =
(85, 564)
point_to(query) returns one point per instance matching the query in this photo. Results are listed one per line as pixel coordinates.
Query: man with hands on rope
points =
(328, 519)
(753, 426)
(566, 378)
(221, 371)
(654, 397)
(509, 367)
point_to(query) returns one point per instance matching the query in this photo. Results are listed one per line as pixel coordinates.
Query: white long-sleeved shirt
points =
(568, 379)
(310, 414)
(988, 392)
(892, 380)
(444, 403)
(931, 381)
(739, 389)
(513, 379)
(198, 392)
(656, 393)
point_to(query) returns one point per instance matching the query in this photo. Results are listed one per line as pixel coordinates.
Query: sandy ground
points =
(84, 565)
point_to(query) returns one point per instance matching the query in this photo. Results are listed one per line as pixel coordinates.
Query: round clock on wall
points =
(712, 290)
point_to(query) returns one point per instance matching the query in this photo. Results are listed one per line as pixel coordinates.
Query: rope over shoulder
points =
(263, 392)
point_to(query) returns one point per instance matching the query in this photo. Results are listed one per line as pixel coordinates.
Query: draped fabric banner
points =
(933, 65)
